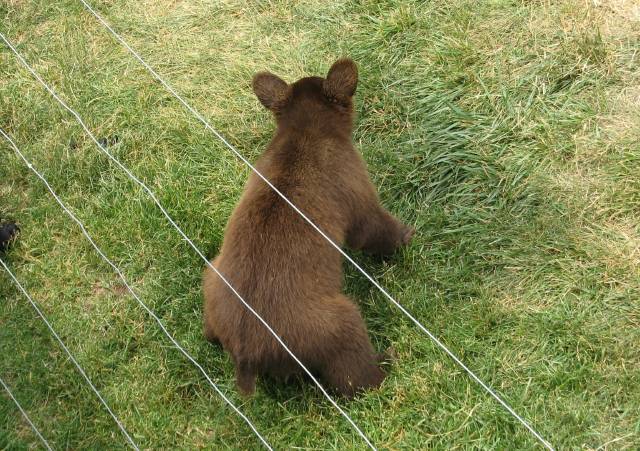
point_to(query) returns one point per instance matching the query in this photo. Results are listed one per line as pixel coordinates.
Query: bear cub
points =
(284, 268)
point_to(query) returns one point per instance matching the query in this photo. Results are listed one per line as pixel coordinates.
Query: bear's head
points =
(311, 101)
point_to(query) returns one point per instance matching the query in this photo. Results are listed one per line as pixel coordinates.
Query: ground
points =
(507, 132)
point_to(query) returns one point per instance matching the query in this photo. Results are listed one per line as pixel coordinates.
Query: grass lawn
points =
(507, 132)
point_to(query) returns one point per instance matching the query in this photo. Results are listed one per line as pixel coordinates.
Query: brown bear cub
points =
(284, 268)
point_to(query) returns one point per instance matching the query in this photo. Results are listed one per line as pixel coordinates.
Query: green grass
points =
(507, 132)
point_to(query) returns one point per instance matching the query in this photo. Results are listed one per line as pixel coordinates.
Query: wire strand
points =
(133, 293)
(75, 362)
(208, 126)
(186, 238)
(24, 414)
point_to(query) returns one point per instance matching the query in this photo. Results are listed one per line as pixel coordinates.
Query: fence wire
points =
(24, 414)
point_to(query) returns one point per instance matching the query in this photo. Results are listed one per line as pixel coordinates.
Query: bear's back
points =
(270, 254)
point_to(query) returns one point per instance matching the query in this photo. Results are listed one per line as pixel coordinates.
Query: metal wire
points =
(24, 414)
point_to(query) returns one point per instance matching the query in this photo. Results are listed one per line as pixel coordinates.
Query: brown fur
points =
(282, 267)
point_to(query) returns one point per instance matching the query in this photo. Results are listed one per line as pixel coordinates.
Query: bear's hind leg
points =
(350, 373)
(350, 364)
(245, 378)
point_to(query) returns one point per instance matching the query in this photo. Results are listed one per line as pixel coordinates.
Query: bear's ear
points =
(341, 81)
(271, 90)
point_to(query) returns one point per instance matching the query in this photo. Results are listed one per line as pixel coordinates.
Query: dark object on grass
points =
(107, 141)
(280, 265)
(8, 233)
